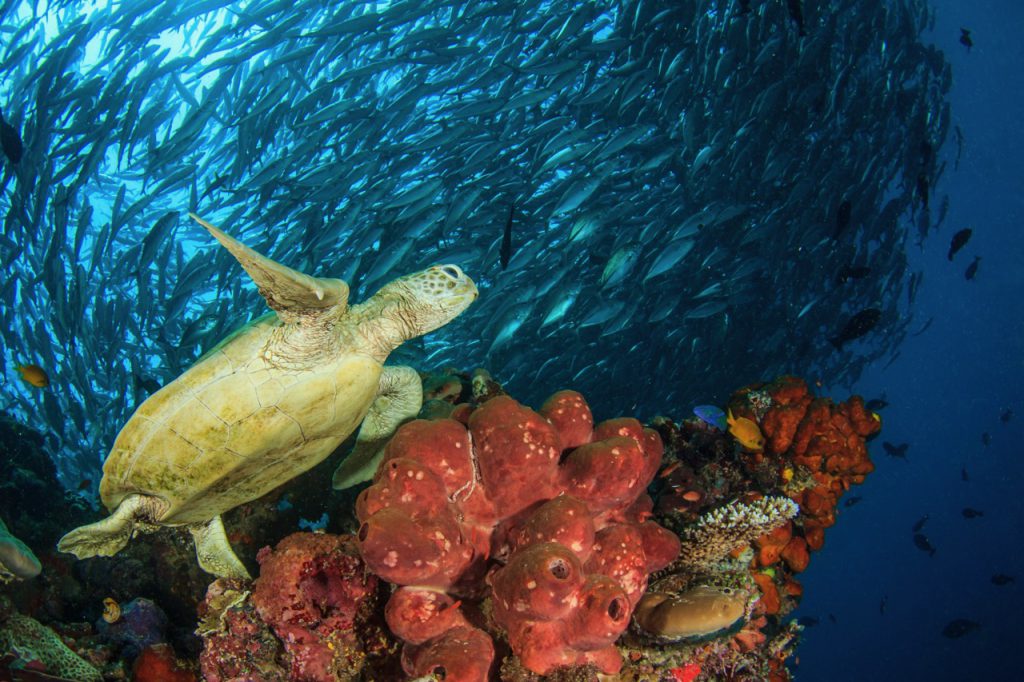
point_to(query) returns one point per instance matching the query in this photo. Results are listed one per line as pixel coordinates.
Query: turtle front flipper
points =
(399, 399)
(109, 536)
(287, 291)
(214, 551)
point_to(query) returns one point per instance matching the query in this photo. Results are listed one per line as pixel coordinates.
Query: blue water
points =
(948, 387)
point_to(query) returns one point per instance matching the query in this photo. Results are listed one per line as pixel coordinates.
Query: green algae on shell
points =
(698, 614)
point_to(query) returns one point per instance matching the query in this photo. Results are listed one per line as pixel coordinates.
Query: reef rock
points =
(311, 592)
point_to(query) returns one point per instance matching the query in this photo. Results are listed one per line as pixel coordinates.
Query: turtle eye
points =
(451, 271)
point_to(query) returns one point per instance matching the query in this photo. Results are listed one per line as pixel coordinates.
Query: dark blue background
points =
(948, 387)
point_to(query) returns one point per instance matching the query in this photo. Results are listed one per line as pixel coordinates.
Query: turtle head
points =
(419, 303)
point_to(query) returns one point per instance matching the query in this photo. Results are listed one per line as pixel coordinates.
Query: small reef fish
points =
(111, 610)
(986, 439)
(11, 141)
(1006, 416)
(959, 241)
(712, 416)
(876, 404)
(972, 269)
(899, 451)
(970, 513)
(506, 239)
(965, 38)
(959, 627)
(850, 501)
(920, 523)
(922, 543)
(963, 474)
(881, 604)
(857, 326)
(746, 432)
(1002, 579)
(34, 375)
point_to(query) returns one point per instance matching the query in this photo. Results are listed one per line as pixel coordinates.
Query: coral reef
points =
(157, 663)
(132, 627)
(519, 545)
(302, 619)
(720, 497)
(36, 647)
(725, 529)
(544, 508)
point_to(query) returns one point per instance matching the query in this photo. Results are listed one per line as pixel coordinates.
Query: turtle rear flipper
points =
(214, 551)
(399, 399)
(109, 536)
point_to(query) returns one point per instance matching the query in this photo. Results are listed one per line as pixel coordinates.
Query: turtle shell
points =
(234, 426)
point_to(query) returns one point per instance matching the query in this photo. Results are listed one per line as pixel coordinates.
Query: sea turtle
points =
(270, 401)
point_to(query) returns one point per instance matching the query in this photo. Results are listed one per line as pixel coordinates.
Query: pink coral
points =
(550, 509)
(311, 589)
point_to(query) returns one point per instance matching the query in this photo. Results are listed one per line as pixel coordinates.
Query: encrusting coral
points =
(561, 502)
(311, 591)
(36, 647)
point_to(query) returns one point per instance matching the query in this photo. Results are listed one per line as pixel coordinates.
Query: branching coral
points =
(722, 530)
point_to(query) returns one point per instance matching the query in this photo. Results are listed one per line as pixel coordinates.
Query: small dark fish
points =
(986, 439)
(744, 6)
(970, 513)
(920, 523)
(923, 190)
(807, 621)
(965, 39)
(881, 604)
(927, 151)
(852, 272)
(896, 450)
(963, 474)
(85, 485)
(876, 404)
(1006, 416)
(1002, 579)
(842, 218)
(959, 241)
(857, 326)
(796, 13)
(506, 240)
(922, 543)
(11, 141)
(959, 627)
(972, 269)
(850, 501)
(832, 618)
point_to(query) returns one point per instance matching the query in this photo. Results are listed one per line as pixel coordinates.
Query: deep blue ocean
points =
(949, 386)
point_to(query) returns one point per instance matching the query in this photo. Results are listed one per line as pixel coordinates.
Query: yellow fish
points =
(34, 374)
(746, 432)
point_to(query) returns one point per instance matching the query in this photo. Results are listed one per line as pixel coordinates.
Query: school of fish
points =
(658, 199)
